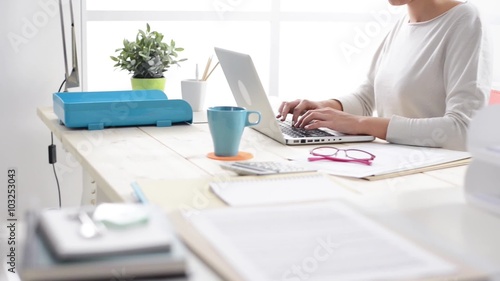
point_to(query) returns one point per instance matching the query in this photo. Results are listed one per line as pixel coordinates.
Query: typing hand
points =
(330, 118)
(297, 108)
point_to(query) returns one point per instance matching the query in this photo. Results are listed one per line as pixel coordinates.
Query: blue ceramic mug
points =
(226, 125)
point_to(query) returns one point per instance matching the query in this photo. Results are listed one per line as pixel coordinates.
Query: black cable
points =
(60, 87)
(54, 169)
(52, 155)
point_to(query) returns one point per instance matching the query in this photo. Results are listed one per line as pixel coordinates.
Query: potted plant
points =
(147, 58)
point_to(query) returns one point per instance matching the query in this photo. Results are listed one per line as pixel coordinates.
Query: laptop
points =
(249, 93)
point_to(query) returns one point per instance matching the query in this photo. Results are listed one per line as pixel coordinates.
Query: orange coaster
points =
(241, 156)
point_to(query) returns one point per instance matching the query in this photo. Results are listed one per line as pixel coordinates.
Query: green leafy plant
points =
(148, 56)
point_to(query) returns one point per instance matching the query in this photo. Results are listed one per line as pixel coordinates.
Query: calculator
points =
(265, 167)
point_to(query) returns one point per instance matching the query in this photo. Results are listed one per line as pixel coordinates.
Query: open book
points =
(316, 241)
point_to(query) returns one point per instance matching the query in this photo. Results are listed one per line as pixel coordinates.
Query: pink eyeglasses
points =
(331, 153)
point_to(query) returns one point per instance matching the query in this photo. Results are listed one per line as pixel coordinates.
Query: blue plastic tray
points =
(97, 110)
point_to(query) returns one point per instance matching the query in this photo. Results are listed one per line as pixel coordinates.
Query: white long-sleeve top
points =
(429, 78)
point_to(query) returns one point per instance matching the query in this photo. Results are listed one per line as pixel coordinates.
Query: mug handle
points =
(250, 112)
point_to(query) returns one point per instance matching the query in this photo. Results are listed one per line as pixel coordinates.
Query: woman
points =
(428, 77)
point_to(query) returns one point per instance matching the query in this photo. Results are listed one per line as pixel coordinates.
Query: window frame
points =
(275, 16)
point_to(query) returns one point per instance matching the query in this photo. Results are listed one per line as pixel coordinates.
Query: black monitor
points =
(72, 76)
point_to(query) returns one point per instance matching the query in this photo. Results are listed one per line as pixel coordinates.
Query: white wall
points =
(31, 69)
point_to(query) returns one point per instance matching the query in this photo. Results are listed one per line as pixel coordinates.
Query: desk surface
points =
(116, 157)
(173, 160)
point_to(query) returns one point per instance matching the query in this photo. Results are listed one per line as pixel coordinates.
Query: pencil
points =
(211, 71)
(138, 193)
(206, 68)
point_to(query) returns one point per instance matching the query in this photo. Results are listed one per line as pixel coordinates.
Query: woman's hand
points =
(330, 118)
(299, 107)
(343, 122)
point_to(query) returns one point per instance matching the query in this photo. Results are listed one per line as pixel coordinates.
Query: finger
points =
(280, 110)
(298, 111)
(286, 108)
(322, 119)
(313, 116)
(305, 119)
(316, 124)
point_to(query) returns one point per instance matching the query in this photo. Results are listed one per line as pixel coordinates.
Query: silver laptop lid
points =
(248, 92)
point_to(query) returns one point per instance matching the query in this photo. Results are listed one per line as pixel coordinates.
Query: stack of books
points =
(108, 242)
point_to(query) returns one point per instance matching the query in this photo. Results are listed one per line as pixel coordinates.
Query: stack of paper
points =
(316, 242)
(56, 248)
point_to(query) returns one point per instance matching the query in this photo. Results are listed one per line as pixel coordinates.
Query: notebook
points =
(277, 189)
(40, 264)
(62, 229)
(248, 92)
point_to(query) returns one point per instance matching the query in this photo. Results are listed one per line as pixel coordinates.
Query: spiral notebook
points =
(261, 190)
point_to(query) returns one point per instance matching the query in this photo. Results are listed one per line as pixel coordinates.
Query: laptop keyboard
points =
(288, 129)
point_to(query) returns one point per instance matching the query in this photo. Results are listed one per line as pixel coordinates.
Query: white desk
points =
(116, 157)
(174, 159)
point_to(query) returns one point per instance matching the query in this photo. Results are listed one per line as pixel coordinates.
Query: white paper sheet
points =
(257, 190)
(315, 242)
(390, 158)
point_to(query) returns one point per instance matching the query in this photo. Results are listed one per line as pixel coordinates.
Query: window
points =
(312, 49)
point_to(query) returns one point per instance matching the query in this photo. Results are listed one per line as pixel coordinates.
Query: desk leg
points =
(89, 190)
